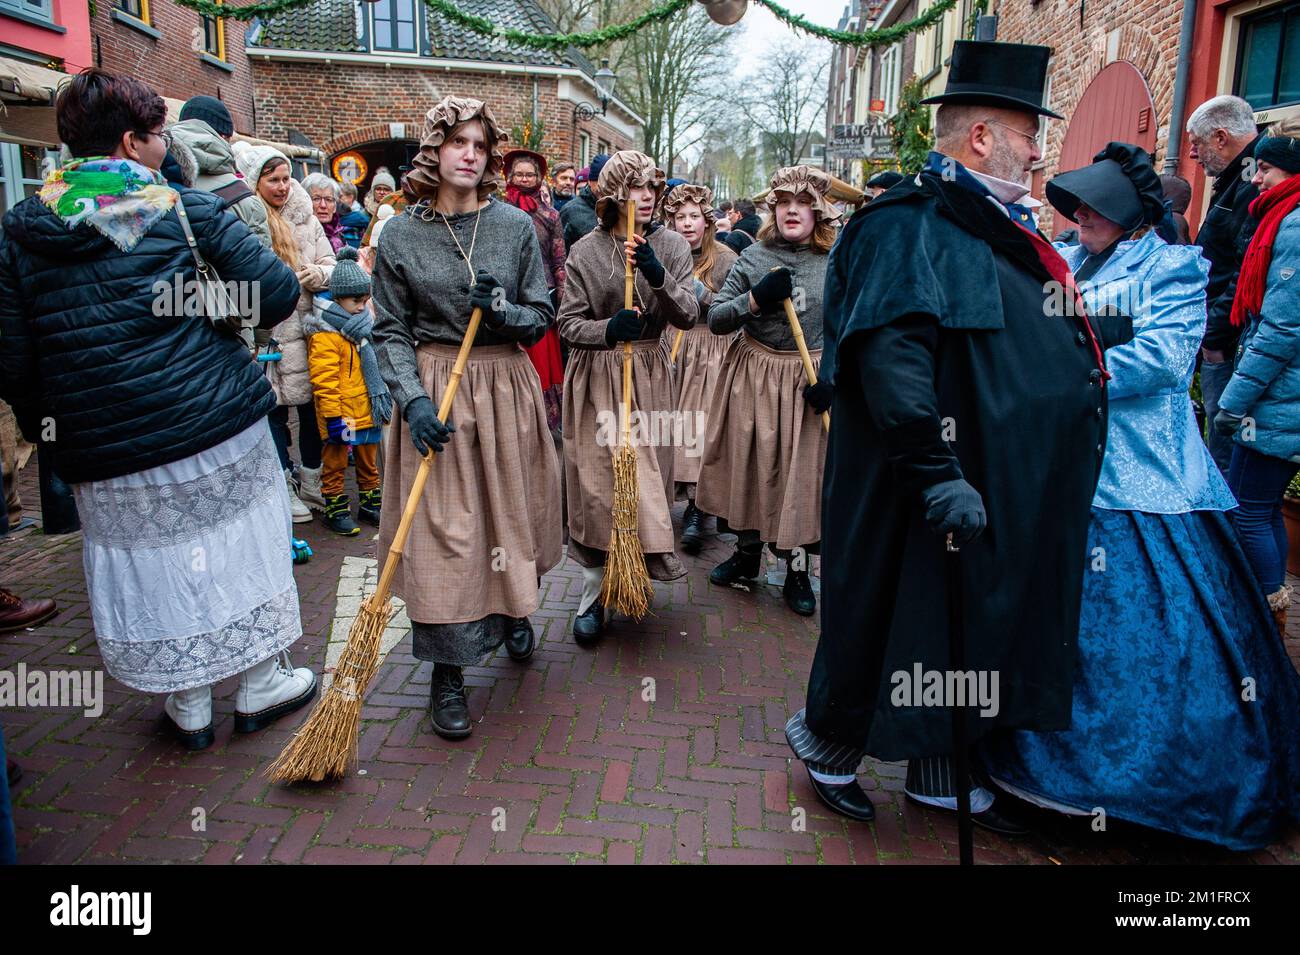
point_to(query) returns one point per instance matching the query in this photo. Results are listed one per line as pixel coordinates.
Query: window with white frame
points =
(584, 149)
(890, 79)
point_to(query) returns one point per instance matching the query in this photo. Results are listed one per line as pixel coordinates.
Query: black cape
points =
(950, 359)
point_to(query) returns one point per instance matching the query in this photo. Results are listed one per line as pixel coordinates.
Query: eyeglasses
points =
(165, 135)
(328, 200)
(1033, 139)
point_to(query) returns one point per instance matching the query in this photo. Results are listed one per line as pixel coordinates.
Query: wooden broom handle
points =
(629, 283)
(380, 596)
(797, 330)
(677, 345)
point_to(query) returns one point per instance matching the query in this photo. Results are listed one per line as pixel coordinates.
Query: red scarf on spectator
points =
(523, 200)
(1270, 208)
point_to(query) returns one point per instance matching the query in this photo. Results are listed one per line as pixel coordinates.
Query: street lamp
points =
(605, 80)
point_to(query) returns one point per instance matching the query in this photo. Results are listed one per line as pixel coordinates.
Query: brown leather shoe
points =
(16, 613)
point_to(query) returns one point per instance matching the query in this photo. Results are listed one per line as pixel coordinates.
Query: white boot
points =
(191, 714)
(269, 690)
(309, 489)
(301, 513)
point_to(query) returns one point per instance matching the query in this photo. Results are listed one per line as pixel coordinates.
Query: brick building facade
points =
(345, 78)
(176, 52)
(1111, 78)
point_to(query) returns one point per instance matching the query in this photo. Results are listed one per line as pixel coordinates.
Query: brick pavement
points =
(568, 761)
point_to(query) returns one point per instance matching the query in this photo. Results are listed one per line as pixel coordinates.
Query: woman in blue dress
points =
(1185, 703)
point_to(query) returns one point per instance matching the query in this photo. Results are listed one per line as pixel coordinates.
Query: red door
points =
(1116, 107)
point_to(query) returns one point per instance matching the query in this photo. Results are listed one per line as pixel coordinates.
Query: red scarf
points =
(1270, 208)
(523, 200)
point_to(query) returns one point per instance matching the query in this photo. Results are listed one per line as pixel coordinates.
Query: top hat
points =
(1009, 75)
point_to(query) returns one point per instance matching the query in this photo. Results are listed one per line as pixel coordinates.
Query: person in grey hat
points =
(352, 401)
(204, 131)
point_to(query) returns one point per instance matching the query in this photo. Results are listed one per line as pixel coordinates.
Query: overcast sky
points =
(762, 29)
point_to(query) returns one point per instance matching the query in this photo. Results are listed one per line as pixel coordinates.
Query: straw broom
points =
(326, 745)
(797, 331)
(626, 586)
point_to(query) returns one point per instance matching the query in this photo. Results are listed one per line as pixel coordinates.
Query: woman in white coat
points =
(298, 238)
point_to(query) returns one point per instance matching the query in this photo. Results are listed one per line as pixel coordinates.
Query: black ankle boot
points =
(798, 592)
(743, 565)
(368, 509)
(450, 709)
(588, 627)
(520, 641)
(338, 516)
(693, 529)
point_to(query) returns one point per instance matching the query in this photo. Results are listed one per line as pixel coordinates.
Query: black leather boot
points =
(588, 627)
(743, 565)
(520, 641)
(693, 529)
(450, 708)
(798, 592)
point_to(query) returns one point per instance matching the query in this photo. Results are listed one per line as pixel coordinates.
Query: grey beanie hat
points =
(349, 278)
(212, 111)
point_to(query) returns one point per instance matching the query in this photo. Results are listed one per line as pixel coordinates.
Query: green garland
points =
(883, 37)
(448, 9)
(610, 34)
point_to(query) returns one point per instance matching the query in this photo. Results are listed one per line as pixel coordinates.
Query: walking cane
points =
(797, 331)
(957, 664)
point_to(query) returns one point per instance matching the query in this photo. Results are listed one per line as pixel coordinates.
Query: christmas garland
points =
(609, 34)
(885, 37)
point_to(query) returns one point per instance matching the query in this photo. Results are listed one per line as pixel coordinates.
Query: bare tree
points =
(671, 73)
(787, 100)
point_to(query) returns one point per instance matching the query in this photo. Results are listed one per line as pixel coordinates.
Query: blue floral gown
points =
(1186, 713)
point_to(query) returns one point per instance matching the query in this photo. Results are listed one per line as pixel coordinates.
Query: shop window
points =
(1268, 58)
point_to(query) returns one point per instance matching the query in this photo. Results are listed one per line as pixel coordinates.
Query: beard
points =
(1004, 162)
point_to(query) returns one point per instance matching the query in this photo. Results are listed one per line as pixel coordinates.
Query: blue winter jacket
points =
(1155, 459)
(1265, 387)
(90, 345)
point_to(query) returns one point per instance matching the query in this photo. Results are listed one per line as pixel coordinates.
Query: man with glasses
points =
(967, 408)
(1222, 136)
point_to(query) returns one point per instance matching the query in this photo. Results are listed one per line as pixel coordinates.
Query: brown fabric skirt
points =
(593, 393)
(488, 525)
(699, 365)
(766, 448)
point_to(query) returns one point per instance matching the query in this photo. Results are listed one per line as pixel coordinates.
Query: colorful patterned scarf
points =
(119, 198)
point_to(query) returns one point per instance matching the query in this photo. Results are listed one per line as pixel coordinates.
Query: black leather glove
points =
(426, 430)
(954, 507)
(772, 288)
(819, 396)
(1113, 327)
(649, 265)
(1227, 423)
(626, 326)
(481, 294)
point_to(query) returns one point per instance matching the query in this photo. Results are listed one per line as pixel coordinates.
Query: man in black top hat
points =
(967, 402)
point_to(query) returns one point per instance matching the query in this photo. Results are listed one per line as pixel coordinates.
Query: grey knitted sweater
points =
(730, 309)
(421, 287)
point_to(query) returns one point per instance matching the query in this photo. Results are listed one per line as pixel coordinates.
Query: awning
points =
(28, 83)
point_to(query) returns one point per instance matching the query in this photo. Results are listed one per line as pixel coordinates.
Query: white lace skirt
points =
(189, 565)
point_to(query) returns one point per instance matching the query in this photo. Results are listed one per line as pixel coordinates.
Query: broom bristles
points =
(626, 587)
(325, 747)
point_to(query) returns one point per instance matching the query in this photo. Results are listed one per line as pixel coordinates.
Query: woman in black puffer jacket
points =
(157, 419)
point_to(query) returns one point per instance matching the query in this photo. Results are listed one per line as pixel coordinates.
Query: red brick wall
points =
(169, 63)
(333, 104)
(1143, 32)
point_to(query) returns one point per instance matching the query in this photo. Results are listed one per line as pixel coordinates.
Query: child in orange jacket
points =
(352, 401)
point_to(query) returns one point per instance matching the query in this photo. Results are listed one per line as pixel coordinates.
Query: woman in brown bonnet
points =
(487, 528)
(594, 323)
